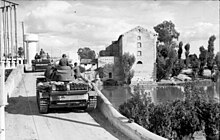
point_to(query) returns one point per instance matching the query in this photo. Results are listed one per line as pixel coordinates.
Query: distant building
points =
(142, 44)
(89, 64)
(111, 65)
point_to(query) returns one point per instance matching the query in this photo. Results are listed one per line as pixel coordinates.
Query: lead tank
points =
(59, 89)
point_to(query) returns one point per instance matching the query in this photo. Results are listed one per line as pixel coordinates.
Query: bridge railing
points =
(10, 63)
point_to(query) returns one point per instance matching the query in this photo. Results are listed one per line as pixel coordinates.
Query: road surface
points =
(23, 122)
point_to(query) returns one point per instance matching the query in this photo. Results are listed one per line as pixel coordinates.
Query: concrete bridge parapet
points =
(132, 130)
(11, 63)
(13, 80)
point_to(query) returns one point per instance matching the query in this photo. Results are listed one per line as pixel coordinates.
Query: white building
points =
(142, 44)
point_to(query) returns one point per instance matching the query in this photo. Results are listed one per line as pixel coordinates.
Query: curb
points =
(132, 130)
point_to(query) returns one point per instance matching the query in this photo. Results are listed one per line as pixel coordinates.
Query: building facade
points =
(112, 68)
(142, 44)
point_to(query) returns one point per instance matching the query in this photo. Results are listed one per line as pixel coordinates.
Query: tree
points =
(217, 60)
(102, 53)
(211, 43)
(167, 56)
(161, 70)
(86, 53)
(210, 54)
(20, 51)
(187, 47)
(100, 72)
(166, 32)
(195, 63)
(202, 59)
(127, 63)
(170, 61)
(180, 50)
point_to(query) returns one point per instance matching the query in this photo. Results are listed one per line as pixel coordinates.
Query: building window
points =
(139, 53)
(139, 44)
(139, 62)
(110, 75)
(139, 38)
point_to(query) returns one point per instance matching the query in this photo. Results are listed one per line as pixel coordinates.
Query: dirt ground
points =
(23, 121)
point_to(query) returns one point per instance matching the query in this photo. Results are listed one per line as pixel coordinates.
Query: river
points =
(117, 95)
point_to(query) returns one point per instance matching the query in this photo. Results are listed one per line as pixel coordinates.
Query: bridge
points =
(23, 120)
(19, 117)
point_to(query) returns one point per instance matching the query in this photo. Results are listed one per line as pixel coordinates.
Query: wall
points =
(112, 65)
(31, 46)
(102, 61)
(31, 51)
(144, 71)
(132, 130)
(14, 79)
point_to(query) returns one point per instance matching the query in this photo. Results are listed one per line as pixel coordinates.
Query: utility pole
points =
(16, 40)
(0, 38)
(22, 24)
(11, 34)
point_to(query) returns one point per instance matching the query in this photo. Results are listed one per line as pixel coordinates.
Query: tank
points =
(59, 89)
(41, 63)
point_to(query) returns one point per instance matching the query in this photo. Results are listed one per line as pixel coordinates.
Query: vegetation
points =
(177, 119)
(180, 50)
(202, 59)
(20, 52)
(210, 55)
(127, 63)
(7, 73)
(217, 60)
(86, 53)
(195, 64)
(100, 72)
(169, 62)
(187, 48)
(166, 32)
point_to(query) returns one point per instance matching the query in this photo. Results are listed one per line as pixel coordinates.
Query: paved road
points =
(23, 122)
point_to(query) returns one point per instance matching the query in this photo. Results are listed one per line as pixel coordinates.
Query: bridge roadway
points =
(23, 121)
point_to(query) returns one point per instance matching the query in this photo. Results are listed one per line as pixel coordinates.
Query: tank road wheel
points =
(43, 104)
(33, 69)
(92, 103)
(43, 108)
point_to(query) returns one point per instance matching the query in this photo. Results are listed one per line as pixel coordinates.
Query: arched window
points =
(139, 38)
(139, 44)
(139, 62)
(139, 53)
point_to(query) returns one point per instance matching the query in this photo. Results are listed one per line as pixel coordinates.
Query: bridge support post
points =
(3, 101)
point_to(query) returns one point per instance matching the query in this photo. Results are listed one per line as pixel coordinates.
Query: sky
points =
(65, 26)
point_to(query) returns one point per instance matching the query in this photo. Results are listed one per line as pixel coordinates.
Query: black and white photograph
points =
(109, 70)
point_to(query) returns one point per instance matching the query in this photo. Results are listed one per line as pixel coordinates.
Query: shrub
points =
(7, 73)
(127, 62)
(176, 119)
(177, 68)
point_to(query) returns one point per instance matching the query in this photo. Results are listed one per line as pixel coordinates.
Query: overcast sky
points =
(68, 25)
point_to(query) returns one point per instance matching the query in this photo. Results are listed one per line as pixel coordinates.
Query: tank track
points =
(92, 104)
(43, 106)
